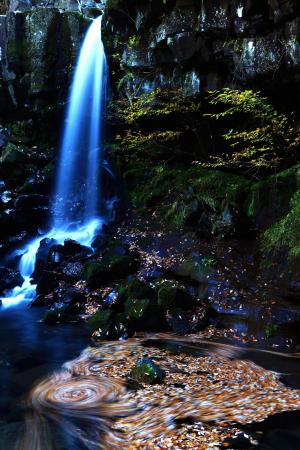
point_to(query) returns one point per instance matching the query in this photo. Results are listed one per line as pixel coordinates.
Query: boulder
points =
(146, 371)
(9, 279)
(96, 273)
(47, 283)
(178, 321)
(108, 325)
(43, 260)
(171, 294)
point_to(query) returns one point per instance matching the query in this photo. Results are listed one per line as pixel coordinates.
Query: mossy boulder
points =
(13, 154)
(146, 371)
(117, 267)
(100, 320)
(269, 199)
(171, 294)
(137, 309)
(136, 288)
(195, 268)
(107, 324)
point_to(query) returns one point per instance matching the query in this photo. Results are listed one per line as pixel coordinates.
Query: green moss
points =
(273, 194)
(111, 268)
(174, 193)
(91, 270)
(101, 320)
(137, 288)
(13, 154)
(17, 52)
(285, 234)
(171, 294)
(145, 371)
(136, 309)
(123, 265)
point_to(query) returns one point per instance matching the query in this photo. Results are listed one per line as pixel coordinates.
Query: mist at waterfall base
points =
(79, 211)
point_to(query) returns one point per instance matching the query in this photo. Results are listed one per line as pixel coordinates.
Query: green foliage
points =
(133, 41)
(157, 104)
(257, 135)
(285, 234)
(175, 192)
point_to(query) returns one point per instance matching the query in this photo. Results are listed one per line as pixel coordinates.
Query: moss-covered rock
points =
(100, 320)
(269, 199)
(171, 294)
(146, 371)
(137, 309)
(136, 288)
(194, 268)
(285, 233)
(109, 325)
(13, 155)
(117, 267)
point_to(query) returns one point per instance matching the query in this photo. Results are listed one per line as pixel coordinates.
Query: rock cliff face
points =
(204, 44)
(39, 41)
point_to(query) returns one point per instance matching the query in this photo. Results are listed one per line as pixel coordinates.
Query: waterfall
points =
(78, 208)
(77, 199)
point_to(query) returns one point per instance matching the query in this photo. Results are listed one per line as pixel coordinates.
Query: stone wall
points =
(204, 44)
(39, 43)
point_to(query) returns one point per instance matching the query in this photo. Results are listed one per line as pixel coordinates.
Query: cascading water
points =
(77, 189)
(78, 210)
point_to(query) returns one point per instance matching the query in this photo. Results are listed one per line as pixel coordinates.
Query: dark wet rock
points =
(16, 221)
(99, 243)
(108, 325)
(115, 247)
(71, 296)
(39, 301)
(9, 279)
(73, 248)
(117, 267)
(43, 260)
(239, 442)
(146, 371)
(55, 315)
(196, 268)
(31, 201)
(13, 242)
(277, 432)
(178, 321)
(171, 294)
(136, 288)
(47, 283)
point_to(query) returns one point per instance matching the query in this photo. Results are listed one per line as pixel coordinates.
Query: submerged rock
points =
(146, 371)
